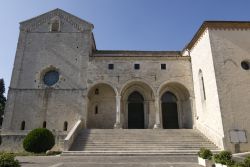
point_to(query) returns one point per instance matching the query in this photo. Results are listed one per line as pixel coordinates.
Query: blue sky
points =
(121, 24)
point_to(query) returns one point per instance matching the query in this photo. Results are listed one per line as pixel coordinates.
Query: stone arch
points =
(92, 86)
(136, 82)
(147, 93)
(180, 90)
(105, 100)
(184, 106)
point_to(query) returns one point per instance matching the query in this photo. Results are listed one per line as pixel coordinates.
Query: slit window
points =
(96, 109)
(111, 66)
(163, 66)
(65, 126)
(23, 125)
(136, 66)
(202, 86)
(97, 91)
(44, 124)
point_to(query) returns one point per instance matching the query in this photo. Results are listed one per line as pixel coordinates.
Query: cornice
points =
(216, 25)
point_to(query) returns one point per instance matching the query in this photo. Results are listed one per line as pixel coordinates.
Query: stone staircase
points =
(139, 142)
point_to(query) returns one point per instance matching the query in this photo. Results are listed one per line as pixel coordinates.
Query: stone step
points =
(141, 149)
(146, 144)
(138, 142)
(141, 141)
(133, 153)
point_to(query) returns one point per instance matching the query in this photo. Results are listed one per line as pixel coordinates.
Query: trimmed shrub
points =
(247, 161)
(8, 160)
(205, 153)
(39, 140)
(224, 157)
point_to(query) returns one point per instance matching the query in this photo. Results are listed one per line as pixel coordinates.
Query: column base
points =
(117, 126)
(157, 126)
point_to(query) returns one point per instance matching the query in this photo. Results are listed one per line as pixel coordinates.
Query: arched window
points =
(202, 86)
(44, 124)
(97, 91)
(23, 125)
(65, 126)
(55, 26)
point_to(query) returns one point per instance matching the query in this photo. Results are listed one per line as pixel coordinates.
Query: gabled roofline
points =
(56, 10)
(215, 25)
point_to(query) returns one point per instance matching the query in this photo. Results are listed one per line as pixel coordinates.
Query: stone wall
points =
(150, 80)
(229, 48)
(208, 111)
(39, 51)
(12, 141)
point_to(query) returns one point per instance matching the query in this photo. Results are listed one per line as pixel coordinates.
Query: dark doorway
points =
(169, 111)
(135, 111)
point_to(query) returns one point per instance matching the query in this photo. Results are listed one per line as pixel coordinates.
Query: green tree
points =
(2, 100)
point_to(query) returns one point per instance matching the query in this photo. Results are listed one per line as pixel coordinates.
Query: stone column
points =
(157, 114)
(118, 113)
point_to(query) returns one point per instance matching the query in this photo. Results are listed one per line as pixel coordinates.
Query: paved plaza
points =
(108, 161)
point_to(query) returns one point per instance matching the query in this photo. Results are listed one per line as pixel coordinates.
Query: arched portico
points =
(142, 89)
(101, 106)
(174, 103)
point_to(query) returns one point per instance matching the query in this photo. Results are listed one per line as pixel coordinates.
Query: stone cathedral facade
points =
(60, 77)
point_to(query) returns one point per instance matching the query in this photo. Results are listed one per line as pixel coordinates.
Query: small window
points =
(111, 66)
(163, 66)
(245, 65)
(96, 91)
(51, 77)
(136, 66)
(65, 126)
(55, 26)
(23, 125)
(44, 124)
(96, 109)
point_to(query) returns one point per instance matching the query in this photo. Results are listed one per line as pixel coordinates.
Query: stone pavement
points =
(108, 161)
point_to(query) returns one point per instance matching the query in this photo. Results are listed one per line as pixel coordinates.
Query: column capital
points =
(118, 96)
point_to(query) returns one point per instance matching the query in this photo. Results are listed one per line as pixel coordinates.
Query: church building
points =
(62, 82)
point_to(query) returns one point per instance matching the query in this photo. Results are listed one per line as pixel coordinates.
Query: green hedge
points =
(39, 140)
